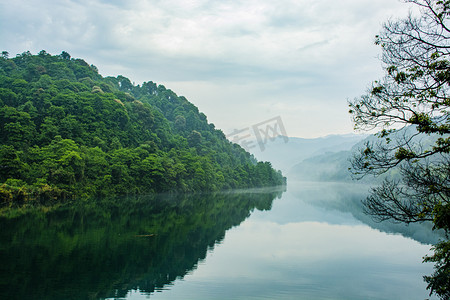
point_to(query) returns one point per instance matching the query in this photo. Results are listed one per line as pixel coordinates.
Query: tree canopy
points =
(411, 106)
(68, 132)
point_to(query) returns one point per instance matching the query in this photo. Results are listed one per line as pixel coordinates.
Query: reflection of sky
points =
(301, 204)
(301, 251)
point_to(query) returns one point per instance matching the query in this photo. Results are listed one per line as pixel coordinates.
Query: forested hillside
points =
(67, 132)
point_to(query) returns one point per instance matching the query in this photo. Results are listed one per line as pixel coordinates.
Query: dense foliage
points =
(66, 131)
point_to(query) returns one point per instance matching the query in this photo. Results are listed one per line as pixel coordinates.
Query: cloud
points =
(312, 51)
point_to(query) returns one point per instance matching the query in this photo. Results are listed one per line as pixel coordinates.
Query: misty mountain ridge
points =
(285, 152)
(334, 165)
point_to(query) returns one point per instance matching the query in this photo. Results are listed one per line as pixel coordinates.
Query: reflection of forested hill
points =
(104, 249)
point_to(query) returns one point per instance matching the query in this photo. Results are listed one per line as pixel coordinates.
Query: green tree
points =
(16, 127)
(411, 106)
(195, 138)
(10, 164)
(65, 55)
(8, 97)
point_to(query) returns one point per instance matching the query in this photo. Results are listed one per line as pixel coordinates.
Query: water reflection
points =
(101, 249)
(335, 199)
(306, 260)
(309, 246)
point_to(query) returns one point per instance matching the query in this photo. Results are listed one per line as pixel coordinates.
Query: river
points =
(309, 242)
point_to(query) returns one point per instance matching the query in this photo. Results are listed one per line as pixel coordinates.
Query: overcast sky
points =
(240, 62)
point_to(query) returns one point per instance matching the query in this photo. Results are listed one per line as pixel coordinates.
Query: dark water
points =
(311, 242)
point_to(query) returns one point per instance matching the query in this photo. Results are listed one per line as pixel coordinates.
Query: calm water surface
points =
(311, 242)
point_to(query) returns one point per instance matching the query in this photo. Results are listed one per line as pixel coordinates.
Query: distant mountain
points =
(284, 153)
(330, 166)
(333, 165)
